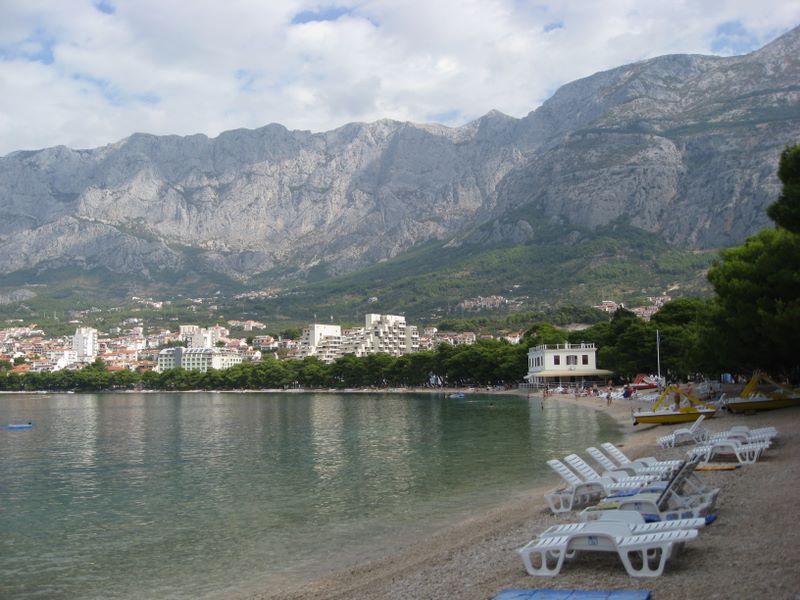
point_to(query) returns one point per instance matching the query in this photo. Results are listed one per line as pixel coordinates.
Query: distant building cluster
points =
(248, 325)
(643, 312)
(202, 348)
(482, 303)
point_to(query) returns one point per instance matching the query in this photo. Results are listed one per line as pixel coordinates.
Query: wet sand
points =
(751, 551)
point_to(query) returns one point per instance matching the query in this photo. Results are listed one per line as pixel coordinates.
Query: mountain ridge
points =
(681, 146)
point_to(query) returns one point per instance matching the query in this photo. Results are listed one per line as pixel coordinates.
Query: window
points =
(557, 359)
(572, 359)
(585, 359)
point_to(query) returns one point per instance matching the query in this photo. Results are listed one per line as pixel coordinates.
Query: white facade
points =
(568, 363)
(200, 337)
(197, 359)
(386, 334)
(84, 343)
(381, 333)
(322, 341)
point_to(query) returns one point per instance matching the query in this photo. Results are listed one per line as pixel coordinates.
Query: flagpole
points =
(658, 354)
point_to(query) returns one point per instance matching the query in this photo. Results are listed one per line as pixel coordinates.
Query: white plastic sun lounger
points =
(674, 502)
(649, 461)
(744, 453)
(692, 482)
(631, 469)
(643, 554)
(694, 434)
(611, 480)
(745, 435)
(635, 518)
(575, 493)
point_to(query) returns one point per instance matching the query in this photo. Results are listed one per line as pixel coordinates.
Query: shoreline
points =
(475, 559)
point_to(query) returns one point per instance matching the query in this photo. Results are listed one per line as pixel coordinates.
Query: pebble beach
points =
(752, 550)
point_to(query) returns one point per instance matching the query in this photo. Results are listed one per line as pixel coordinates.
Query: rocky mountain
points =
(682, 146)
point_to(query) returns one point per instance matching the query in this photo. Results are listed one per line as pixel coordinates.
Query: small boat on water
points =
(19, 425)
(751, 399)
(456, 395)
(683, 408)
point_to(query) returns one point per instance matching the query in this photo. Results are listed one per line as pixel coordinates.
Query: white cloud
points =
(77, 75)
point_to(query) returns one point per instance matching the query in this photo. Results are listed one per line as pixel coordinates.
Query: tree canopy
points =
(757, 314)
(786, 210)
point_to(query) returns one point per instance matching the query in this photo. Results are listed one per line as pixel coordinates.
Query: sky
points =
(86, 73)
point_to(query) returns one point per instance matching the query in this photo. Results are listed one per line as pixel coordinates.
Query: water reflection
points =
(185, 495)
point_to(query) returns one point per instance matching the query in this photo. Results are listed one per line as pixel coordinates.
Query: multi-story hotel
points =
(381, 333)
(84, 343)
(197, 359)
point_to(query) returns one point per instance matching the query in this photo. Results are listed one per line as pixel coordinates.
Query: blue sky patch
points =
(447, 116)
(246, 79)
(105, 7)
(38, 47)
(329, 13)
(732, 37)
(107, 89)
(553, 26)
(112, 93)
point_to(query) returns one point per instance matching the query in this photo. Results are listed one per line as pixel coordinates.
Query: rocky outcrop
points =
(683, 146)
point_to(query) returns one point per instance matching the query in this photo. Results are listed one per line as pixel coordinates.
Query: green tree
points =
(758, 295)
(683, 325)
(544, 333)
(786, 210)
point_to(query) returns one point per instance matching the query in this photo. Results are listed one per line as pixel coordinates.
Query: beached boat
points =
(682, 408)
(644, 382)
(751, 399)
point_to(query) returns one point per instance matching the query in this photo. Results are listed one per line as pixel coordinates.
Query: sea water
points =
(202, 495)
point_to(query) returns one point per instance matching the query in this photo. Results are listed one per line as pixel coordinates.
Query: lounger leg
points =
(544, 560)
(652, 560)
(559, 501)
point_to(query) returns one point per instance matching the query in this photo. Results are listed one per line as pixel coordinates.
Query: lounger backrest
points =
(601, 459)
(696, 425)
(568, 476)
(677, 481)
(582, 467)
(615, 453)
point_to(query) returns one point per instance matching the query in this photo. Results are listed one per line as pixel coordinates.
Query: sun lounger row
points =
(649, 507)
(583, 485)
(698, 434)
(644, 519)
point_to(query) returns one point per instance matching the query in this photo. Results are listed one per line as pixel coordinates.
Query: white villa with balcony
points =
(564, 364)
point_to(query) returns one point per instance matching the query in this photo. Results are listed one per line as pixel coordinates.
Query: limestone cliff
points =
(683, 146)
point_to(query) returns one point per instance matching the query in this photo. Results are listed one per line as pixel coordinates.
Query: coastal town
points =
(131, 345)
(201, 348)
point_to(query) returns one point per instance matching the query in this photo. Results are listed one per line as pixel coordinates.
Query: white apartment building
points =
(84, 343)
(322, 341)
(200, 337)
(197, 359)
(564, 364)
(381, 333)
(389, 334)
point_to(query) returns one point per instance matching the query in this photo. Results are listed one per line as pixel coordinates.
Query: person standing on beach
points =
(608, 397)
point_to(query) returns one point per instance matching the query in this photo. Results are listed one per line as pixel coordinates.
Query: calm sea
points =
(199, 495)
